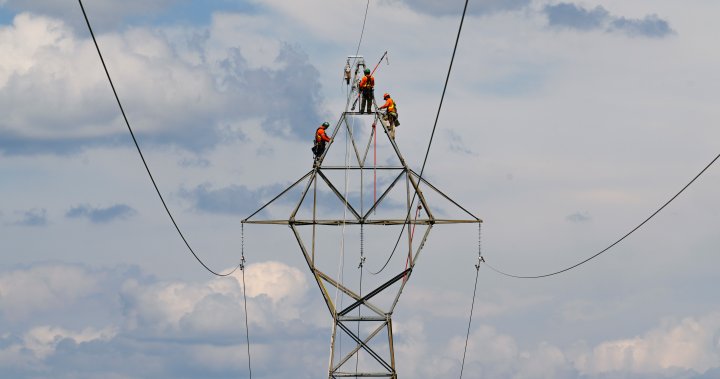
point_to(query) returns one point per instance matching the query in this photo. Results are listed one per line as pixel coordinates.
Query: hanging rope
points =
(242, 270)
(472, 306)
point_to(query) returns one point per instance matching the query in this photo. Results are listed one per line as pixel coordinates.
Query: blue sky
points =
(565, 124)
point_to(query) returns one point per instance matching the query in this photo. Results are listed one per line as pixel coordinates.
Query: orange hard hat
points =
(386, 95)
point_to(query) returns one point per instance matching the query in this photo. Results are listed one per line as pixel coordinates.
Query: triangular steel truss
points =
(378, 356)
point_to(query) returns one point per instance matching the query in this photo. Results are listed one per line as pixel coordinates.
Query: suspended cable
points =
(142, 157)
(357, 50)
(616, 242)
(472, 305)
(362, 31)
(432, 135)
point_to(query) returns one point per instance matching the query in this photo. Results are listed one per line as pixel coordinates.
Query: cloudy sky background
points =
(564, 126)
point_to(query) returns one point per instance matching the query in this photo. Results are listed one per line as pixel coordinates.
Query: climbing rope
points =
(472, 306)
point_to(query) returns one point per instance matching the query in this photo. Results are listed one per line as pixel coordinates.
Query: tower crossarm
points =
(366, 222)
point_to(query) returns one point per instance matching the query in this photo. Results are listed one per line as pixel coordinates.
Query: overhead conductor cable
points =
(142, 157)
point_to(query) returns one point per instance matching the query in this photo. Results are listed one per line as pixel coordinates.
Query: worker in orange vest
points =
(320, 139)
(367, 91)
(391, 116)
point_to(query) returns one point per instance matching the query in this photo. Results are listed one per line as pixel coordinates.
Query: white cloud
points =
(691, 343)
(43, 340)
(176, 86)
(43, 287)
(276, 280)
(200, 326)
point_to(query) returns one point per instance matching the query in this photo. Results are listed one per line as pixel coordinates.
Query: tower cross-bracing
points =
(347, 197)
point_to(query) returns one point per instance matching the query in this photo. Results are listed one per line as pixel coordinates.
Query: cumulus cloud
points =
(572, 16)
(176, 88)
(43, 340)
(43, 287)
(195, 329)
(165, 328)
(101, 215)
(32, 217)
(690, 344)
(685, 349)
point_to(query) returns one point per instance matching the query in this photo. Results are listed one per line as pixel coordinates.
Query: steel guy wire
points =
(142, 157)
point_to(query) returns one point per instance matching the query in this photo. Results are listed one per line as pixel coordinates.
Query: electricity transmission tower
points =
(347, 205)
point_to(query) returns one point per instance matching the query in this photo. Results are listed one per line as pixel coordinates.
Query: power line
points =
(363, 28)
(142, 157)
(432, 135)
(619, 240)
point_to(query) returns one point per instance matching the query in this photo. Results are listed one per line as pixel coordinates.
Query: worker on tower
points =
(367, 91)
(391, 116)
(320, 139)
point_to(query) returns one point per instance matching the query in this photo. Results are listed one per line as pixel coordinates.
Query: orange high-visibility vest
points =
(321, 136)
(389, 104)
(367, 82)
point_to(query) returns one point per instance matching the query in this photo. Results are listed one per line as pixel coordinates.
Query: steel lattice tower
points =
(365, 321)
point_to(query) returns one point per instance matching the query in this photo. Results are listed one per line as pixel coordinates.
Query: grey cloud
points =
(287, 98)
(458, 146)
(12, 143)
(650, 26)
(32, 217)
(101, 215)
(572, 16)
(104, 14)
(578, 217)
(240, 200)
(455, 7)
(234, 199)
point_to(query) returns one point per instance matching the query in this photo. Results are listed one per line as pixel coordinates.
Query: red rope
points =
(374, 164)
